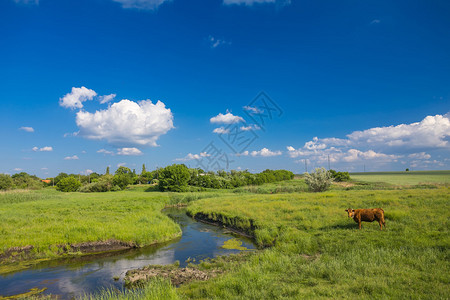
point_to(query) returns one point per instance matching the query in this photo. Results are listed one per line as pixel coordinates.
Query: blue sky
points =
(88, 84)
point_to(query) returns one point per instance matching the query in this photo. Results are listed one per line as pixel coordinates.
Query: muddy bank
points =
(23, 257)
(176, 275)
(232, 224)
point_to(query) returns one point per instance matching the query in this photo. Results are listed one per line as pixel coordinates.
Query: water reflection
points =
(75, 276)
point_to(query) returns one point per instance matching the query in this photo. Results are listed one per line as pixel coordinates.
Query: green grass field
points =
(47, 218)
(405, 178)
(311, 248)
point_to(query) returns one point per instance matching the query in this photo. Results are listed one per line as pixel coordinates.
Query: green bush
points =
(103, 184)
(340, 176)
(68, 184)
(319, 180)
(174, 178)
(6, 182)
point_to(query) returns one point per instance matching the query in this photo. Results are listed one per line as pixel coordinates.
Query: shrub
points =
(6, 182)
(319, 180)
(340, 176)
(104, 184)
(174, 178)
(122, 180)
(68, 184)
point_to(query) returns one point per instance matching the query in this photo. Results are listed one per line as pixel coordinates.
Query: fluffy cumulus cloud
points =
(381, 144)
(191, 156)
(127, 122)
(264, 152)
(43, 149)
(129, 151)
(431, 132)
(141, 4)
(227, 118)
(76, 97)
(104, 151)
(27, 129)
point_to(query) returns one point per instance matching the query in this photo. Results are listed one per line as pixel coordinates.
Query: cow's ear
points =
(353, 210)
(346, 210)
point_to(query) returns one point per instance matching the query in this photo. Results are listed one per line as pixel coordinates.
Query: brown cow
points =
(367, 215)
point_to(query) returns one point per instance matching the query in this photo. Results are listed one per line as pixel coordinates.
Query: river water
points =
(73, 277)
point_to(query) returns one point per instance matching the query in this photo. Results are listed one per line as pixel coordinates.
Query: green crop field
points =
(405, 178)
(309, 247)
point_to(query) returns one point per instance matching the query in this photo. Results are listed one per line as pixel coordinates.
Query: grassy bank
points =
(47, 218)
(318, 252)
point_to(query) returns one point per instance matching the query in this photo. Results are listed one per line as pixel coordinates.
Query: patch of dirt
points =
(344, 184)
(15, 254)
(176, 275)
(15, 251)
(99, 246)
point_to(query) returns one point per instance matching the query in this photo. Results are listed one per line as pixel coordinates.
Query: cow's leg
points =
(381, 226)
(359, 224)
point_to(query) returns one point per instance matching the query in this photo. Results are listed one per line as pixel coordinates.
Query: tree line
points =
(176, 178)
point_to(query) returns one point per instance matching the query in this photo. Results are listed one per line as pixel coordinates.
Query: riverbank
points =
(46, 224)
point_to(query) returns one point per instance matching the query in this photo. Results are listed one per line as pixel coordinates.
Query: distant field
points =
(405, 178)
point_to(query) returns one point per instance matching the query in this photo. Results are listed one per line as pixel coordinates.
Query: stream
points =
(73, 277)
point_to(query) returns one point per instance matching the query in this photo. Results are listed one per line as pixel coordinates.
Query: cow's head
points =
(351, 212)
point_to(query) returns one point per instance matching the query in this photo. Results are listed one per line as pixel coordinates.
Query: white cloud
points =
(227, 118)
(431, 132)
(221, 130)
(244, 153)
(253, 110)
(44, 168)
(421, 155)
(88, 171)
(76, 97)
(18, 169)
(264, 152)
(27, 129)
(121, 164)
(250, 127)
(71, 157)
(43, 149)
(129, 151)
(104, 151)
(127, 122)
(191, 156)
(375, 21)
(353, 155)
(141, 4)
(106, 98)
(215, 42)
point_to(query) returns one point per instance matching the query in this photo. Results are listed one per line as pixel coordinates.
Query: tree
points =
(319, 180)
(6, 182)
(143, 169)
(174, 178)
(68, 184)
(107, 170)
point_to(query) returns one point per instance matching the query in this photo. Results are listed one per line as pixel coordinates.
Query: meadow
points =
(309, 247)
(405, 178)
(47, 219)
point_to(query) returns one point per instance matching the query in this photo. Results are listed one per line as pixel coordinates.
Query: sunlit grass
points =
(405, 178)
(47, 218)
